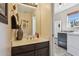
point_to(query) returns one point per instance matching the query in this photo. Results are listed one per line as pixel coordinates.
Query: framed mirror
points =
(27, 19)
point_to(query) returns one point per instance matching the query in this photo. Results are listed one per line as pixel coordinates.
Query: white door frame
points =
(52, 37)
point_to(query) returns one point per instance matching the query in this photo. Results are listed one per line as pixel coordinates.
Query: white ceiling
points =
(58, 8)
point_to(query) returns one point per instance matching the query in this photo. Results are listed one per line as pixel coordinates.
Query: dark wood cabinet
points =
(38, 49)
(41, 45)
(31, 53)
(42, 52)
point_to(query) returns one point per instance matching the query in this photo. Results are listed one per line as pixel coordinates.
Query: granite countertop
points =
(71, 33)
(74, 33)
(62, 32)
(27, 42)
(66, 32)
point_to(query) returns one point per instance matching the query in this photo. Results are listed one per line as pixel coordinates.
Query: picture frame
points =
(4, 9)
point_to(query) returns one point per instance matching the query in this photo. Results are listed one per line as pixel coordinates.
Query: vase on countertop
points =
(19, 33)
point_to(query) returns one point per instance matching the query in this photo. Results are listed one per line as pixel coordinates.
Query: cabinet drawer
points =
(21, 49)
(27, 54)
(41, 45)
(42, 52)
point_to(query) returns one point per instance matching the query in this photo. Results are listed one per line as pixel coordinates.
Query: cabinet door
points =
(73, 40)
(42, 52)
(41, 45)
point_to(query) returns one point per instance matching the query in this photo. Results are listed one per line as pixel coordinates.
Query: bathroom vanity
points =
(36, 48)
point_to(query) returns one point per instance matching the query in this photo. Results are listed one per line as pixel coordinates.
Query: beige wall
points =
(63, 16)
(44, 20)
